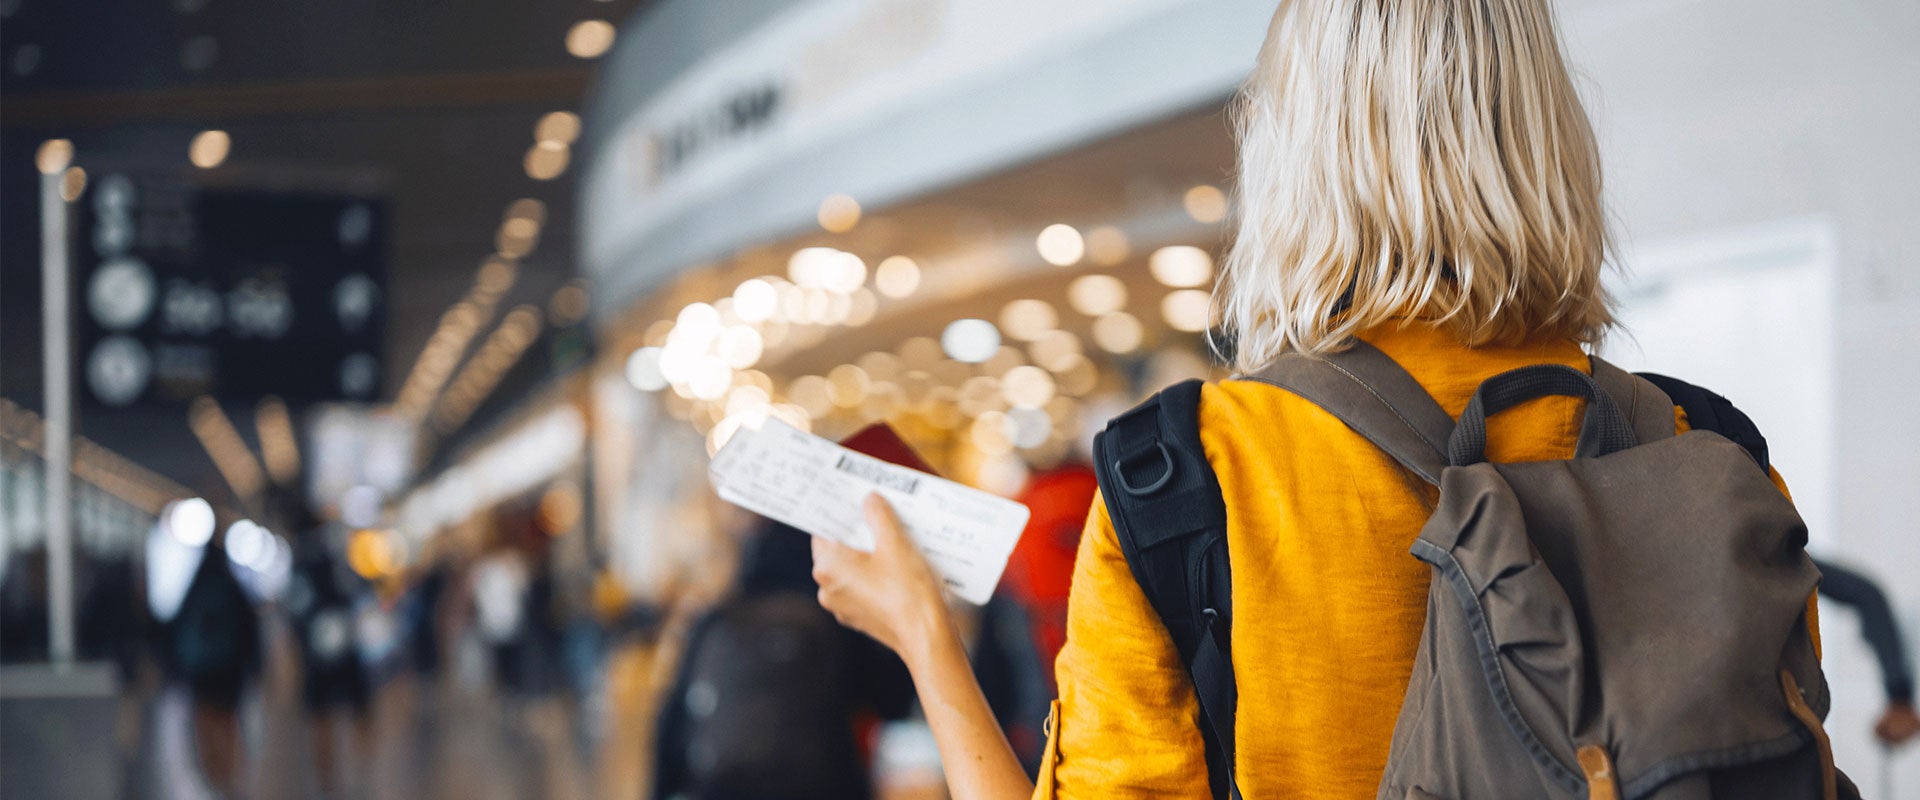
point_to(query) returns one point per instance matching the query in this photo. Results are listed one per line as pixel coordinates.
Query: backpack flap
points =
(1643, 603)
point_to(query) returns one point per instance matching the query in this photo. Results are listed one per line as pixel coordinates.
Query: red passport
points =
(880, 441)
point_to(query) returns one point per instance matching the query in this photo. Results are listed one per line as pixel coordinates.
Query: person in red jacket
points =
(1041, 568)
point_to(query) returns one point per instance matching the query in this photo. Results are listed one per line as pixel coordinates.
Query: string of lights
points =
(103, 468)
(229, 452)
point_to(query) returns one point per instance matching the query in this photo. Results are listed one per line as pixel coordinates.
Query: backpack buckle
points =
(1166, 474)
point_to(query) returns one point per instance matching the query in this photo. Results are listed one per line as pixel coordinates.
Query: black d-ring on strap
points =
(1120, 471)
(1604, 430)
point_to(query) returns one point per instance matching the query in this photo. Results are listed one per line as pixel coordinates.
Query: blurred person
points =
(423, 621)
(214, 647)
(1419, 191)
(114, 626)
(335, 688)
(1019, 632)
(1898, 724)
(1012, 676)
(519, 612)
(23, 607)
(773, 699)
(1040, 572)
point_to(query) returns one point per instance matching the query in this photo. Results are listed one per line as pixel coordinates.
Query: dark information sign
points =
(184, 290)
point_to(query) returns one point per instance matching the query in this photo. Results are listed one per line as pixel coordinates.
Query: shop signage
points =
(880, 99)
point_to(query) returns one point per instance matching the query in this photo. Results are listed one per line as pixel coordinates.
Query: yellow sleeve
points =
(1813, 600)
(1126, 722)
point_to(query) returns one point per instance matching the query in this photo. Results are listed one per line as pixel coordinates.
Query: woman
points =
(1415, 174)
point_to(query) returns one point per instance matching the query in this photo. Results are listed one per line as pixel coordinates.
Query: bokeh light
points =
(1097, 294)
(590, 38)
(970, 340)
(562, 127)
(1028, 319)
(755, 300)
(838, 213)
(1060, 245)
(1118, 332)
(546, 160)
(1027, 387)
(1205, 203)
(209, 148)
(190, 521)
(1180, 266)
(1185, 310)
(54, 156)
(897, 276)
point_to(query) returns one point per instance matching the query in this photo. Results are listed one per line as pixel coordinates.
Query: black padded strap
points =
(1375, 397)
(1171, 522)
(1707, 411)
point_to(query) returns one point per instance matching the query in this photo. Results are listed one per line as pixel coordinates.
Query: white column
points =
(56, 331)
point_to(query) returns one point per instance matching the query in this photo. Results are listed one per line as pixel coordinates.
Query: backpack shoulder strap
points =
(1648, 408)
(1171, 522)
(1707, 411)
(1375, 397)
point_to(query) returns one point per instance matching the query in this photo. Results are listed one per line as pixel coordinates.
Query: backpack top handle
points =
(1604, 430)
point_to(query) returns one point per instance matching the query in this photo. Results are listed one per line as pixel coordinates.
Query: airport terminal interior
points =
(361, 362)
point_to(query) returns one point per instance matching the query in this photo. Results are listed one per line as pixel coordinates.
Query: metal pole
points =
(55, 331)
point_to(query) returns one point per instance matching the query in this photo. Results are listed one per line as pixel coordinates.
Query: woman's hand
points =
(892, 595)
(889, 594)
(1898, 725)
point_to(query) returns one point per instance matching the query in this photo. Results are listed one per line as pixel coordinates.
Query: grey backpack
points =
(1626, 624)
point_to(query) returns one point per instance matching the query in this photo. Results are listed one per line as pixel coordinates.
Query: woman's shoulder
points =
(1239, 415)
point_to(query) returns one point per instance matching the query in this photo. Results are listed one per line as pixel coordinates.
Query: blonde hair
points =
(1413, 160)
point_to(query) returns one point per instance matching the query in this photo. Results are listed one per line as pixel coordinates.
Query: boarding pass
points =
(817, 486)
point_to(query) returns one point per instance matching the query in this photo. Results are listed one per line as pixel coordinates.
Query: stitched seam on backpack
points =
(1390, 408)
(1496, 679)
(1659, 774)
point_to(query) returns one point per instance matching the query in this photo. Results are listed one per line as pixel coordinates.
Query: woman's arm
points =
(892, 595)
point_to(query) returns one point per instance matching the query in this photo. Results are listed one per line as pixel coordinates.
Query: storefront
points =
(985, 224)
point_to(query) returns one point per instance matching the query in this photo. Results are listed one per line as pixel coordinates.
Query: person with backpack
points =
(772, 695)
(214, 647)
(1424, 546)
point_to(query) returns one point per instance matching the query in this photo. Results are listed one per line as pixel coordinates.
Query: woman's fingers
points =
(889, 593)
(880, 517)
(831, 559)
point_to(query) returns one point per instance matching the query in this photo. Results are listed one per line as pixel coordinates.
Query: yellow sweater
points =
(1328, 604)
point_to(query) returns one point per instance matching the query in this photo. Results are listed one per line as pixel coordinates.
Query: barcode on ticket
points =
(877, 474)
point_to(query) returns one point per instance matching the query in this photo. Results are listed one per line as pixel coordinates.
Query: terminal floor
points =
(454, 737)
